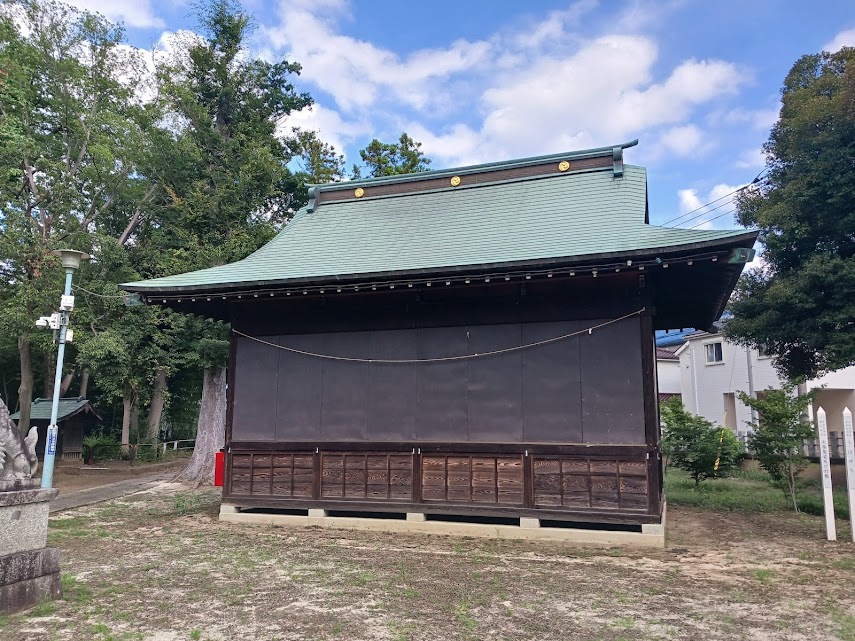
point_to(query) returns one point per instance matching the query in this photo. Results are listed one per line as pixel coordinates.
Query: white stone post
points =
(827, 496)
(849, 449)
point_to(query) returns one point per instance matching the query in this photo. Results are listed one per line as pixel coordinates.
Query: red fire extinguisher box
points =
(219, 468)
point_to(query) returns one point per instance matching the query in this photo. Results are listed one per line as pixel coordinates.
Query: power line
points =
(753, 182)
(704, 222)
(82, 289)
(704, 213)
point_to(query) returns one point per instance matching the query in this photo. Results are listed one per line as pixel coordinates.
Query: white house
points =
(713, 370)
(668, 373)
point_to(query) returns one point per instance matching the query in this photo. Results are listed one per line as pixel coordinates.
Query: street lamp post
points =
(71, 261)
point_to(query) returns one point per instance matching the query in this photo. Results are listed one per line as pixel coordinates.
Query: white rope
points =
(83, 289)
(588, 330)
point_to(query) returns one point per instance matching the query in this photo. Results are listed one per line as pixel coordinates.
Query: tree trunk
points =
(155, 411)
(210, 431)
(50, 374)
(25, 389)
(66, 383)
(84, 383)
(126, 421)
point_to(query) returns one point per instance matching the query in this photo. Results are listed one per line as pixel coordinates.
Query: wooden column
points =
(651, 415)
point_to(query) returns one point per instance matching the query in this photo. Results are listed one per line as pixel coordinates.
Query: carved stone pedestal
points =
(29, 571)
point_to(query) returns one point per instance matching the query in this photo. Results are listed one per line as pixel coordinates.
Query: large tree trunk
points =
(84, 383)
(211, 430)
(127, 399)
(25, 389)
(155, 411)
(66, 383)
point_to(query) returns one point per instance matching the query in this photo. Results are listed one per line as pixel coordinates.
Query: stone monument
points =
(29, 571)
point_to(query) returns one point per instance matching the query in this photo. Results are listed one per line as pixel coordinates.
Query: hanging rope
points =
(496, 352)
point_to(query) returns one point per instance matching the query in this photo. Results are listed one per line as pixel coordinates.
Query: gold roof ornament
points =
(455, 180)
(359, 192)
(563, 165)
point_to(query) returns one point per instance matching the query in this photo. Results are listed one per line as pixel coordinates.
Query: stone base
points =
(28, 578)
(24, 519)
(646, 538)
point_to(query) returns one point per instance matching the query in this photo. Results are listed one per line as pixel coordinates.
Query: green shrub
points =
(694, 444)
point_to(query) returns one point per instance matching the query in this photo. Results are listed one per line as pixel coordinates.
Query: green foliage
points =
(694, 444)
(800, 307)
(778, 437)
(391, 159)
(99, 447)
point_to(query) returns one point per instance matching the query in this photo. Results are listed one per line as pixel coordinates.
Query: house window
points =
(714, 353)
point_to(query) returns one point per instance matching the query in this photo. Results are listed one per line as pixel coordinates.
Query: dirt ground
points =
(69, 482)
(159, 566)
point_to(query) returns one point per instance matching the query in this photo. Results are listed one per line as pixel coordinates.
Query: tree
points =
(778, 438)
(71, 129)
(694, 444)
(320, 162)
(801, 305)
(225, 168)
(392, 159)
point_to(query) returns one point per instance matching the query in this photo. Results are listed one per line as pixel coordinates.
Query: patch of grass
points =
(74, 591)
(68, 523)
(43, 609)
(749, 491)
(337, 628)
(844, 564)
(195, 635)
(4, 621)
(844, 625)
(764, 576)
(410, 593)
(464, 617)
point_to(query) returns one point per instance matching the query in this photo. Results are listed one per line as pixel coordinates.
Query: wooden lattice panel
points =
(380, 477)
(473, 479)
(285, 475)
(589, 483)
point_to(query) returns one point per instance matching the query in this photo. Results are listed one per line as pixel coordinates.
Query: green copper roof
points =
(40, 409)
(558, 217)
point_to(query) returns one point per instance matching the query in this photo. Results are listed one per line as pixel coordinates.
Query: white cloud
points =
(843, 39)
(134, 13)
(535, 88)
(357, 73)
(685, 140)
(751, 159)
(761, 119)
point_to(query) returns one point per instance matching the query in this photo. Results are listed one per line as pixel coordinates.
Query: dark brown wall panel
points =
(393, 386)
(494, 392)
(552, 393)
(442, 405)
(298, 398)
(344, 388)
(612, 395)
(587, 388)
(255, 381)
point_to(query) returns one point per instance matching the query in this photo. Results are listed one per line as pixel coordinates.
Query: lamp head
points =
(71, 257)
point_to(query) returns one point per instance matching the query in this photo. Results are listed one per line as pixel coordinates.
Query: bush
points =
(98, 447)
(696, 445)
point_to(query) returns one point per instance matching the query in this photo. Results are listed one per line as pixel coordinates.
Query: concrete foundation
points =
(651, 537)
(28, 578)
(29, 572)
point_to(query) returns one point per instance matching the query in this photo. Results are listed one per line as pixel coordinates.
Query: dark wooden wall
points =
(585, 389)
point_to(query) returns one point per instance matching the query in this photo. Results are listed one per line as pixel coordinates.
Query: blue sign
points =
(51, 440)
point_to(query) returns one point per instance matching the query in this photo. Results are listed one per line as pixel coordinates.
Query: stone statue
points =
(17, 454)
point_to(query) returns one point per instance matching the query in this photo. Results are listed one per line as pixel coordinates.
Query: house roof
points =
(499, 216)
(672, 337)
(68, 407)
(663, 354)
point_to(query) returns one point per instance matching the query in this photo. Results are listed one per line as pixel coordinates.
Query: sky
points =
(697, 82)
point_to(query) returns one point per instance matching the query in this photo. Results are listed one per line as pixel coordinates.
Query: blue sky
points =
(477, 81)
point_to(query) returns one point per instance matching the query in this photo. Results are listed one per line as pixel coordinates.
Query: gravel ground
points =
(159, 566)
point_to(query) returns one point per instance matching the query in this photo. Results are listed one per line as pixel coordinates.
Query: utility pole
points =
(71, 261)
(750, 381)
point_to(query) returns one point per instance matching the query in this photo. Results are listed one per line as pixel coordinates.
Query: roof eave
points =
(746, 239)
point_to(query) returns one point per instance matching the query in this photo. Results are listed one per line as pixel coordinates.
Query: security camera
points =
(52, 321)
